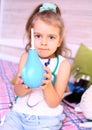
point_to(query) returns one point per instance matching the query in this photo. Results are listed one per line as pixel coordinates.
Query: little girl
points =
(39, 108)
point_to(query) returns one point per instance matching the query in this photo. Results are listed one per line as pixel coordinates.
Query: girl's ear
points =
(60, 41)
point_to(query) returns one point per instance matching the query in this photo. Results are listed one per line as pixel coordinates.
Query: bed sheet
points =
(7, 71)
(72, 118)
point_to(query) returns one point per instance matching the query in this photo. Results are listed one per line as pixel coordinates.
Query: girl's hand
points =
(19, 81)
(48, 77)
(20, 88)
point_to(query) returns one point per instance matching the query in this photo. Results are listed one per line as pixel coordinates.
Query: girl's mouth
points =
(43, 49)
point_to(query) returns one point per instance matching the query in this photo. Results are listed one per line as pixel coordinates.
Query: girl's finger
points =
(47, 69)
(48, 76)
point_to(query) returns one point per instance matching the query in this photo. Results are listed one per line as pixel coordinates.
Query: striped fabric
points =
(7, 72)
(73, 119)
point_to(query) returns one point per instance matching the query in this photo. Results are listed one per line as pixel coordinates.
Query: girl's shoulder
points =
(63, 63)
(23, 57)
(63, 60)
(22, 61)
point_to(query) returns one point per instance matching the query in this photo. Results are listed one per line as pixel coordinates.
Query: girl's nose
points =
(44, 42)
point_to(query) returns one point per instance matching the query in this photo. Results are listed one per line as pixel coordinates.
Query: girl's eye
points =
(51, 37)
(37, 36)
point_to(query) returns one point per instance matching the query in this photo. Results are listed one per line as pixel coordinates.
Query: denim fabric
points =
(17, 121)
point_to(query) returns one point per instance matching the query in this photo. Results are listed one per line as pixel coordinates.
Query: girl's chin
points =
(43, 57)
(46, 56)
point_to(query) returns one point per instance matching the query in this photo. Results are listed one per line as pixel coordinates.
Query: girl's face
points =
(46, 39)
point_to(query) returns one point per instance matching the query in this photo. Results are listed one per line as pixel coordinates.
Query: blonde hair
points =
(48, 16)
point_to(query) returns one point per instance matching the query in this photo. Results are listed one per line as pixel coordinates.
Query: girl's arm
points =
(20, 88)
(53, 94)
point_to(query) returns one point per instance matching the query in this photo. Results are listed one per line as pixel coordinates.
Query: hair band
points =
(47, 6)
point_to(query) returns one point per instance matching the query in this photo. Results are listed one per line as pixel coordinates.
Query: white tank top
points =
(34, 103)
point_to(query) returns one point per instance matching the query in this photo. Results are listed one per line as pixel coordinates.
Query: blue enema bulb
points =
(32, 73)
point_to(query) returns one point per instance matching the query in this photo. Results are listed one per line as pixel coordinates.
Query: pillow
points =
(83, 61)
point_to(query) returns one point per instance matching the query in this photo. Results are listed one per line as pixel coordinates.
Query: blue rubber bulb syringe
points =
(32, 73)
